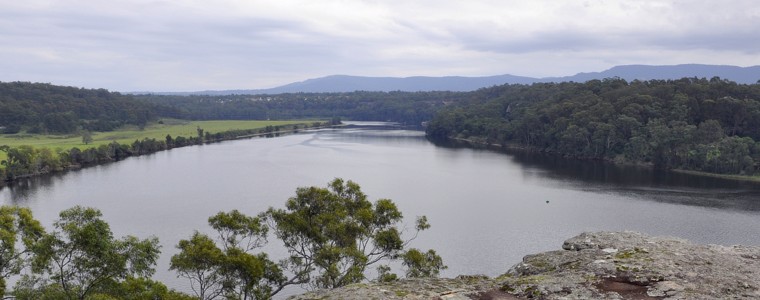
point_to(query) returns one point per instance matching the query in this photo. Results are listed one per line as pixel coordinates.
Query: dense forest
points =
(46, 108)
(709, 125)
(404, 107)
(694, 124)
(51, 109)
(39, 108)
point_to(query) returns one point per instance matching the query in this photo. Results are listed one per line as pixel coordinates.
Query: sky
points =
(193, 45)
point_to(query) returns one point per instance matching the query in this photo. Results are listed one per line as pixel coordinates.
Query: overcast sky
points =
(187, 45)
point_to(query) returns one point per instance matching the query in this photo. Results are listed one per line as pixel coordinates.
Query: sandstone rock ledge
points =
(601, 265)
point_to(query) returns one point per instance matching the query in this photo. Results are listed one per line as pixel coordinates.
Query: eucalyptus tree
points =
(333, 234)
(81, 257)
(228, 266)
(200, 261)
(16, 224)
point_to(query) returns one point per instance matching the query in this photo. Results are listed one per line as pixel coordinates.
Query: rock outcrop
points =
(602, 265)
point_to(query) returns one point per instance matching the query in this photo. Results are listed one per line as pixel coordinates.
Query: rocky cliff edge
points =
(599, 265)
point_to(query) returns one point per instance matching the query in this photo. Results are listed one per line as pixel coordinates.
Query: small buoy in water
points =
(547, 201)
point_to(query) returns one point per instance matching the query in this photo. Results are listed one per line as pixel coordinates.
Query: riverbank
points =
(26, 161)
(518, 147)
(127, 134)
(723, 176)
(601, 265)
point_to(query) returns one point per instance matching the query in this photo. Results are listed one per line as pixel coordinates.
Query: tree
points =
(420, 264)
(233, 270)
(19, 161)
(57, 122)
(86, 137)
(142, 288)
(333, 234)
(200, 260)
(200, 134)
(668, 123)
(16, 224)
(81, 256)
(247, 275)
(169, 141)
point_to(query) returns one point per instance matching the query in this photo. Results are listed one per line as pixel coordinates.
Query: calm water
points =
(488, 209)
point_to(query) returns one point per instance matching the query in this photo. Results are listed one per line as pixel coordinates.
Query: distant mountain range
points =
(345, 83)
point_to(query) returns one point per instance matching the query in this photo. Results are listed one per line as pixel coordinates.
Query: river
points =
(487, 208)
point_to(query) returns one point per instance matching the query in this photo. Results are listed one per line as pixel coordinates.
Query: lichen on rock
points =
(599, 265)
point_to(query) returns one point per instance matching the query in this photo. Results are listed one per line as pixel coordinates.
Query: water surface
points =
(487, 208)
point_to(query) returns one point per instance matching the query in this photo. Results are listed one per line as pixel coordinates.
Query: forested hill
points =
(346, 83)
(695, 124)
(404, 107)
(46, 108)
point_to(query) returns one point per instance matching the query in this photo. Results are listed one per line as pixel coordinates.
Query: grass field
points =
(130, 134)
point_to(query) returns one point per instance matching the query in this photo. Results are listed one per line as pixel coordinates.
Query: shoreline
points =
(517, 147)
(716, 175)
(261, 132)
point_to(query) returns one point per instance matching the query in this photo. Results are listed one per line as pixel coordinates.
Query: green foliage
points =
(34, 288)
(86, 137)
(200, 260)
(31, 287)
(138, 289)
(404, 107)
(82, 257)
(58, 123)
(25, 161)
(231, 270)
(16, 225)
(46, 108)
(199, 131)
(419, 264)
(247, 275)
(384, 274)
(693, 124)
(236, 230)
(334, 233)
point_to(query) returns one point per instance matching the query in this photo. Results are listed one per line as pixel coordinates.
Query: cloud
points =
(196, 45)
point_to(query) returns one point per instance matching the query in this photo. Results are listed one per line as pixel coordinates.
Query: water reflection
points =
(23, 190)
(26, 188)
(488, 208)
(634, 181)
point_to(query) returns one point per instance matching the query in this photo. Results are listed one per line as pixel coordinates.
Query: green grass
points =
(130, 134)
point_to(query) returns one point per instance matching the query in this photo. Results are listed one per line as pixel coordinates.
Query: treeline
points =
(46, 108)
(25, 161)
(51, 109)
(332, 236)
(694, 124)
(404, 107)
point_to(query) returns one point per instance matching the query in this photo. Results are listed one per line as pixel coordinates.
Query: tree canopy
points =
(47, 108)
(79, 259)
(331, 234)
(695, 124)
(16, 224)
(403, 107)
(81, 256)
